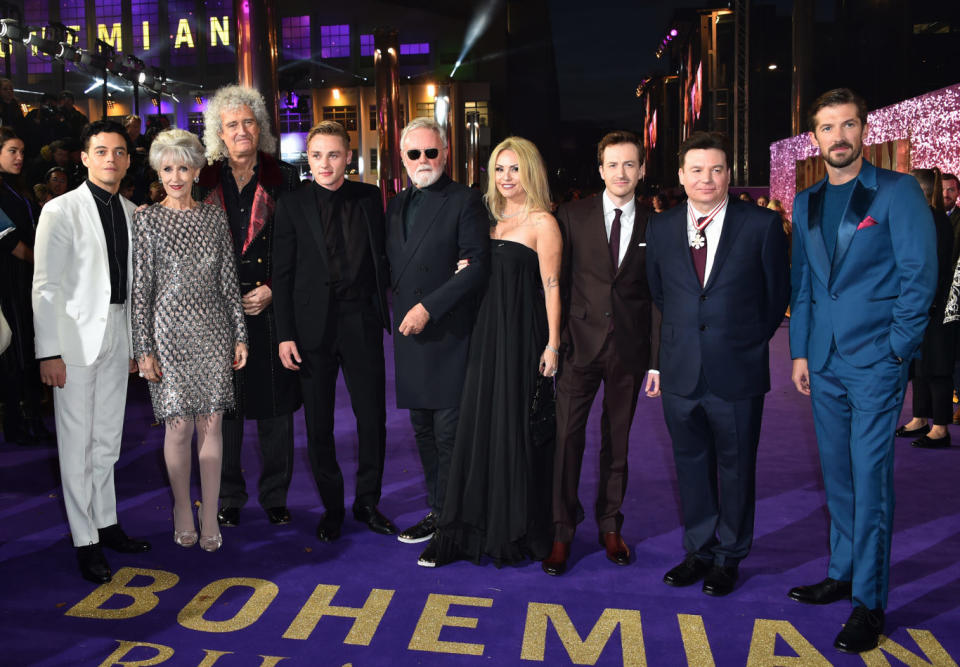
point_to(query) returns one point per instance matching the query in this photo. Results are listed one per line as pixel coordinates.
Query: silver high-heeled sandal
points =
(207, 542)
(184, 538)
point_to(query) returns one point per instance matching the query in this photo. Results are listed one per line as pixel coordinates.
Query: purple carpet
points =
(277, 595)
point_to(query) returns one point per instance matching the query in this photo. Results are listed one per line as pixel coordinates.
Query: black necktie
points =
(615, 239)
(410, 212)
(700, 254)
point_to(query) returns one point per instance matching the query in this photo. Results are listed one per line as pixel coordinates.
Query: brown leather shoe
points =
(556, 563)
(617, 550)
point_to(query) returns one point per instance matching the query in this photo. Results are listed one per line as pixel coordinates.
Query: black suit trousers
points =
(715, 451)
(352, 341)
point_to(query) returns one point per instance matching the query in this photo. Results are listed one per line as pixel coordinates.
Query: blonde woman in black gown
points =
(188, 329)
(499, 490)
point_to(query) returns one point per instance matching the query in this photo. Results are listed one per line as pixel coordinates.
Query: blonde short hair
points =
(533, 177)
(178, 147)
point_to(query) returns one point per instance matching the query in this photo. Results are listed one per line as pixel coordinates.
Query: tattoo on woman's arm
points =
(552, 282)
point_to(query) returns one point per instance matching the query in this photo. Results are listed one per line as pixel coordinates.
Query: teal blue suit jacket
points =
(872, 300)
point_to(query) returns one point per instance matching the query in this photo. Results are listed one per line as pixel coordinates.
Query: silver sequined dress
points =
(186, 307)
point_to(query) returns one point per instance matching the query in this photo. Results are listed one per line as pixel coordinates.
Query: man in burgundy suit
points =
(610, 335)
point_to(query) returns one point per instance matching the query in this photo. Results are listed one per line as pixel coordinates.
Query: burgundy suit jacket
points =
(593, 292)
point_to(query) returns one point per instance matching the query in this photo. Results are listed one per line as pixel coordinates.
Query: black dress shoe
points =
(114, 538)
(720, 580)
(556, 563)
(421, 532)
(617, 550)
(230, 516)
(904, 432)
(690, 571)
(93, 565)
(432, 556)
(370, 515)
(827, 591)
(279, 516)
(861, 632)
(328, 529)
(926, 442)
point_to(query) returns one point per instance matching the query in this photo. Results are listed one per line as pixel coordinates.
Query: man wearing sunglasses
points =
(431, 226)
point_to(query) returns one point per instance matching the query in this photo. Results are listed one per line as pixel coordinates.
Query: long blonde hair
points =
(533, 177)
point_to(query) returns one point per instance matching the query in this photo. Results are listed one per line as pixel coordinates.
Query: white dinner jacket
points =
(71, 278)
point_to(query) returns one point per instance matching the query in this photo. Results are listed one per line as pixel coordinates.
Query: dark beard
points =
(854, 155)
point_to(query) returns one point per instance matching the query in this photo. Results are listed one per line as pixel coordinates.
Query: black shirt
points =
(114, 222)
(350, 261)
(238, 203)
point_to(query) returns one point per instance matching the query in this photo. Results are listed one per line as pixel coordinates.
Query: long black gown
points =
(499, 490)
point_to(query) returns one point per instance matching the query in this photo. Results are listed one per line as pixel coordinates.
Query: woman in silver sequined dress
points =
(188, 328)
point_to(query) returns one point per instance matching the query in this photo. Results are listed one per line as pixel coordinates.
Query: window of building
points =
(415, 49)
(374, 165)
(479, 108)
(425, 109)
(298, 118)
(346, 116)
(296, 37)
(195, 122)
(335, 41)
(146, 30)
(373, 117)
(35, 14)
(73, 16)
(366, 45)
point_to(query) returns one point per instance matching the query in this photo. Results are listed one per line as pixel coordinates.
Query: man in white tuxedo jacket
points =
(81, 296)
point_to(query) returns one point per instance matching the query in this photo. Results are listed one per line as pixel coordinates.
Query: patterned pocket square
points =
(866, 222)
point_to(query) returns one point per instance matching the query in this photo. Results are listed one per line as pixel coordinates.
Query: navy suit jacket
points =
(872, 301)
(720, 330)
(451, 225)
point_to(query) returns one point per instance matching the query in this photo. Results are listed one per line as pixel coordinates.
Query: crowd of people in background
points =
(238, 292)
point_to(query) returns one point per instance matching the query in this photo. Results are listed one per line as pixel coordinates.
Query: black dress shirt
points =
(238, 203)
(114, 222)
(347, 243)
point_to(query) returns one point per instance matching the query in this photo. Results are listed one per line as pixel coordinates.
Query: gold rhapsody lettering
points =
(764, 641)
(144, 598)
(191, 616)
(367, 617)
(426, 636)
(583, 651)
(163, 653)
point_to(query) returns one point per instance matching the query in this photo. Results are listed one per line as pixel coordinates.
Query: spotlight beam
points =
(477, 26)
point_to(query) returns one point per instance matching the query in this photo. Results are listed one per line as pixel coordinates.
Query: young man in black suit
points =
(329, 283)
(431, 226)
(719, 273)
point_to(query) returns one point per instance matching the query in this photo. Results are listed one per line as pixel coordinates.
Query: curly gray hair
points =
(176, 147)
(230, 98)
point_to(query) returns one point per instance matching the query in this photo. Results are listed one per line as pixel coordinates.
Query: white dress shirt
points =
(712, 232)
(627, 214)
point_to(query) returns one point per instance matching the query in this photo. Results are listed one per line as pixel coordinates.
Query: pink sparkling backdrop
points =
(931, 122)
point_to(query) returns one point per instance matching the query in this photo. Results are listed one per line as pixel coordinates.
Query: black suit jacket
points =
(452, 224)
(592, 291)
(725, 326)
(301, 276)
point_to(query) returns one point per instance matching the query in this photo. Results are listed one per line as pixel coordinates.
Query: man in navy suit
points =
(864, 275)
(719, 273)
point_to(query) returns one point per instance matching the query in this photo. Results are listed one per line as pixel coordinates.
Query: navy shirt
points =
(834, 204)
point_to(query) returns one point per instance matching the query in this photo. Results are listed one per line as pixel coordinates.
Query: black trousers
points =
(435, 432)
(352, 341)
(715, 450)
(933, 398)
(275, 436)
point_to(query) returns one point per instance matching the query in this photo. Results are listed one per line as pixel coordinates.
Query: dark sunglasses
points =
(431, 153)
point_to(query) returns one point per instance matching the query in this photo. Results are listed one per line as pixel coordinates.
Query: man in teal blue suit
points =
(863, 277)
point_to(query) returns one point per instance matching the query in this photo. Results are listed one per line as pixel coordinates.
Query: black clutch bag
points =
(543, 412)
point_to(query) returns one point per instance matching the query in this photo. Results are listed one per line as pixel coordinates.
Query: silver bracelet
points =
(553, 349)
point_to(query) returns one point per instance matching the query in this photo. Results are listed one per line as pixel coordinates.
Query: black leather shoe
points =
(431, 556)
(926, 442)
(556, 563)
(421, 532)
(229, 516)
(93, 565)
(861, 632)
(827, 591)
(617, 550)
(279, 516)
(690, 571)
(370, 515)
(720, 580)
(114, 538)
(328, 529)
(904, 432)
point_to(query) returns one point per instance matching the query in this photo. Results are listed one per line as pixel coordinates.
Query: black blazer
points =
(301, 277)
(452, 225)
(592, 291)
(724, 327)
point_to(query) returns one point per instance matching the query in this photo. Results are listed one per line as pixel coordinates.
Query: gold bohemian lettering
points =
(144, 597)
(114, 38)
(367, 617)
(426, 636)
(191, 616)
(583, 651)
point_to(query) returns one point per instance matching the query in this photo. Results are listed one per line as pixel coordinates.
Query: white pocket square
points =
(641, 245)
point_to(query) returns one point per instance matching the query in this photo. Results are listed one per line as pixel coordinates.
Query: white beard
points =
(423, 179)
